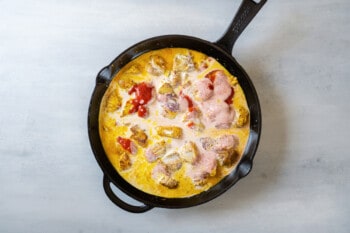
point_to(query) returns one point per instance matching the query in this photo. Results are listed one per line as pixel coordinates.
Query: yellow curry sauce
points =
(174, 122)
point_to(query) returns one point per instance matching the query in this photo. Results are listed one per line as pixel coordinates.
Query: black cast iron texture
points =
(221, 51)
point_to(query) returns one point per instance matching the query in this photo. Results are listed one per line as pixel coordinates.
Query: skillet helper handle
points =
(120, 203)
(246, 12)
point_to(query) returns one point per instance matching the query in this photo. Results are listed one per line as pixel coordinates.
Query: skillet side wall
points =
(105, 76)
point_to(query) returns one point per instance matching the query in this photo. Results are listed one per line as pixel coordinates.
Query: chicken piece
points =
(224, 142)
(168, 100)
(189, 152)
(134, 69)
(176, 78)
(166, 88)
(227, 158)
(124, 161)
(167, 113)
(126, 82)
(127, 108)
(242, 116)
(169, 131)
(183, 62)
(156, 65)
(199, 178)
(113, 101)
(223, 147)
(108, 123)
(172, 162)
(139, 135)
(168, 182)
(169, 104)
(155, 151)
(207, 143)
(162, 176)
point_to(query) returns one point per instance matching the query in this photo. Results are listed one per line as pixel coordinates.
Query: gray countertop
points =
(297, 53)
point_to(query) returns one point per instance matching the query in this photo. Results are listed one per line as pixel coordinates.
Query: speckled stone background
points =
(296, 52)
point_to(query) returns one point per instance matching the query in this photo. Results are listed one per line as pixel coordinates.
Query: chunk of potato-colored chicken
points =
(189, 152)
(169, 101)
(169, 104)
(227, 157)
(108, 123)
(224, 142)
(156, 65)
(176, 78)
(127, 108)
(134, 69)
(124, 161)
(169, 131)
(168, 181)
(113, 101)
(139, 135)
(223, 147)
(125, 81)
(166, 88)
(167, 113)
(183, 62)
(155, 151)
(172, 162)
(242, 116)
(162, 176)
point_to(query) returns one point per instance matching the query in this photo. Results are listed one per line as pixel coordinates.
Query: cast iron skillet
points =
(220, 50)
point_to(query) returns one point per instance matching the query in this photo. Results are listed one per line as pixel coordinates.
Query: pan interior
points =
(230, 65)
(194, 98)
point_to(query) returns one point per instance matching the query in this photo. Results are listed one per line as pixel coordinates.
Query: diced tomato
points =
(142, 111)
(125, 143)
(143, 94)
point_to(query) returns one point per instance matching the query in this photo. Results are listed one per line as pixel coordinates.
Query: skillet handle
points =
(116, 200)
(245, 14)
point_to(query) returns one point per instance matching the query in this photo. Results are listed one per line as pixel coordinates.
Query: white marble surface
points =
(296, 52)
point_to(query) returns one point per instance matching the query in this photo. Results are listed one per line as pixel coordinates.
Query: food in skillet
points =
(174, 122)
